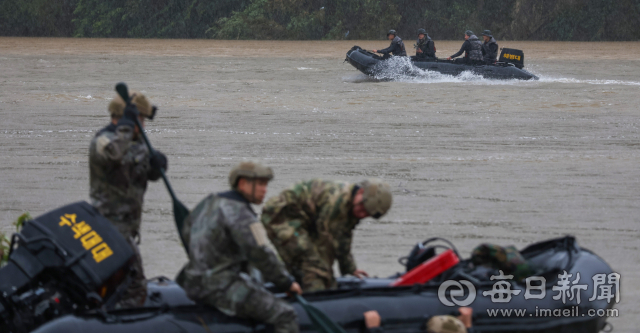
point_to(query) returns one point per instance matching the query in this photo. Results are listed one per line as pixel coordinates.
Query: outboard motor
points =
(512, 56)
(66, 261)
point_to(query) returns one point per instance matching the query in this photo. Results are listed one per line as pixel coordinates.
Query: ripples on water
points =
(401, 69)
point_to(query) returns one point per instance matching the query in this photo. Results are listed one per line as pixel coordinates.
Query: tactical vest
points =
(423, 44)
(403, 51)
(487, 49)
(475, 53)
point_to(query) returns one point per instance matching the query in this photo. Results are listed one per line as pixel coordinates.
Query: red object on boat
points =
(428, 269)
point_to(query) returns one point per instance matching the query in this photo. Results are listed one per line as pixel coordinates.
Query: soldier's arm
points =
(252, 240)
(388, 49)
(110, 147)
(431, 50)
(343, 252)
(462, 49)
(157, 161)
(494, 49)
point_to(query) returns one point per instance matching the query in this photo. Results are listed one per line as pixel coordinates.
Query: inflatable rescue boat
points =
(62, 279)
(509, 66)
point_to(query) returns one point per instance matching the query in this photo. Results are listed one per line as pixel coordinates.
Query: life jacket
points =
(475, 53)
(487, 50)
(398, 40)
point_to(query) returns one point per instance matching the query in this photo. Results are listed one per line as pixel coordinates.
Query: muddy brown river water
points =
(468, 159)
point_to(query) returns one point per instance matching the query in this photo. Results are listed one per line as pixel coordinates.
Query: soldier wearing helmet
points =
(425, 48)
(225, 239)
(120, 166)
(489, 48)
(396, 48)
(311, 225)
(472, 49)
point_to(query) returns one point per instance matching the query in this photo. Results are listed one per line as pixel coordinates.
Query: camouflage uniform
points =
(119, 170)
(508, 259)
(311, 226)
(225, 239)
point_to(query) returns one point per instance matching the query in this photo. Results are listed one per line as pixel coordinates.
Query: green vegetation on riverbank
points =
(5, 242)
(580, 20)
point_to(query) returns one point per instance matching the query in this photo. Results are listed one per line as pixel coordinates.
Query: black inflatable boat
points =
(510, 65)
(71, 295)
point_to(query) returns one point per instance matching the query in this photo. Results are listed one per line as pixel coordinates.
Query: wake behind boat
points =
(508, 67)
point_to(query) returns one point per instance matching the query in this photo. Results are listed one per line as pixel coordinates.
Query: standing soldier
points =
(311, 225)
(489, 48)
(425, 49)
(224, 239)
(120, 166)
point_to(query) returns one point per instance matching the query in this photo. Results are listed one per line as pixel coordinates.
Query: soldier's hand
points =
(360, 274)
(295, 288)
(374, 51)
(131, 112)
(449, 58)
(158, 161)
(126, 122)
(419, 51)
(372, 319)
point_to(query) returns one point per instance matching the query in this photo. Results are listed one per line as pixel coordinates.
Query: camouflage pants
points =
(136, 294)
(299, 251)
(247, 299)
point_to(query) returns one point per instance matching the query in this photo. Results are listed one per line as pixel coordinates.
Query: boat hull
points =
(402, 309)
(370, 64)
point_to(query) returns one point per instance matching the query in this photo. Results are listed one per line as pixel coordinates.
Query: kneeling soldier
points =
(224, 239)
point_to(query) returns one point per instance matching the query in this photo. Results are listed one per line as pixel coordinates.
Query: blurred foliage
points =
(5, 243)
(310, 19)
(583, 20)
(149, 18)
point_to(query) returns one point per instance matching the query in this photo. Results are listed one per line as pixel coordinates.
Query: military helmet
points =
(468, 33)
(376, 197)
(445, 324)
(487, 33)
(250, 170)
(116, 107)
(422, 31)
(392, 32)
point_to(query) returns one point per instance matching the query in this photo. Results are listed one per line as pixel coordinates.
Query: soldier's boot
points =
(263, 306)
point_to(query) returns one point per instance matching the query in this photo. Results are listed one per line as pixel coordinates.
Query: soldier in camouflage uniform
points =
(120, 166)
(225, 239)
(311, 225)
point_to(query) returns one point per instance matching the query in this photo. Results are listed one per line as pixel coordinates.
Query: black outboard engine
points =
(512, 56)
(66, 261)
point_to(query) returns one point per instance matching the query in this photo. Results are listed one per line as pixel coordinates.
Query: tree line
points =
(565, 20)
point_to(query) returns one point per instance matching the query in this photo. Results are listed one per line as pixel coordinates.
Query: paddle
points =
(180, 211)
(319, 319)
